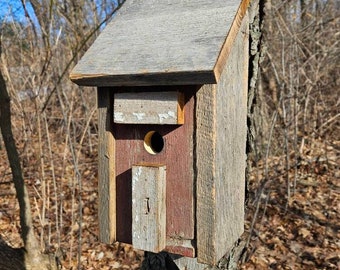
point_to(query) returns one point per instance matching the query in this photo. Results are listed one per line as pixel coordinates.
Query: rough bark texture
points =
(30, 257)
(255, 50)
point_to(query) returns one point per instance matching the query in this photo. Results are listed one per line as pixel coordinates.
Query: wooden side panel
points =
(221, 155)
(163, 108)
(231, 142)
(206, 175)
(106, 169)
(148, 207)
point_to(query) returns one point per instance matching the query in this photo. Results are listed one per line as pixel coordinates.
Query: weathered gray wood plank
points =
(206, 175)
(161, 42)
(231, 142)
(106, 168)
(148, 207)
(163, 108)
(184, 263)
(221, 155)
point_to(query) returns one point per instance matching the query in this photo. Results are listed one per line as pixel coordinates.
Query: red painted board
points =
(177, 155)
(184, 251)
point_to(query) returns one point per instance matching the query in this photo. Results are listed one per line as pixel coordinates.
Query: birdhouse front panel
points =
(170, 145)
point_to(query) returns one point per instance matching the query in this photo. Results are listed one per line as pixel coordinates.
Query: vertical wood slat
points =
(148, 207)
(221, 155)
(206, 158)
(106, 167)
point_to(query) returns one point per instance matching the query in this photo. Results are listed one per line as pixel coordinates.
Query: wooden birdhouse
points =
(172, 82)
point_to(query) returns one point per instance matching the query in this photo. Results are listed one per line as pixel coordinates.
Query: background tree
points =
(28, 257)
(296, 151)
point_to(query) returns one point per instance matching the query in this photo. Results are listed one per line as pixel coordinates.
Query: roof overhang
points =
(161, 42)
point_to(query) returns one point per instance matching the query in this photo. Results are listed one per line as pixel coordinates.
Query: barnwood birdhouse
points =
(171, 80)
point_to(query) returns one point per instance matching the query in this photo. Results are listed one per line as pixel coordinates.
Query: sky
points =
(12, 9)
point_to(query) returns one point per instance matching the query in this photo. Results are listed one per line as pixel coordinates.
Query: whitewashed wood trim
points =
(149, 207)
(163, 108)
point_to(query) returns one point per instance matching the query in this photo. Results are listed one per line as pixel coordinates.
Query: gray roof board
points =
(161, 42)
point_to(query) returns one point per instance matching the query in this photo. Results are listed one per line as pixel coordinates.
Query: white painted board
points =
(149, 207)
(163, 108)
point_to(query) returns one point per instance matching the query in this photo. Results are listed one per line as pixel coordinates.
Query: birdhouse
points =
(171, 80)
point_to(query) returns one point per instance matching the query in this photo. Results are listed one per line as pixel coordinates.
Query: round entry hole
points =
(153, 142)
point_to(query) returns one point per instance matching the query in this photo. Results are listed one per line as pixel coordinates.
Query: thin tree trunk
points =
(33, 259)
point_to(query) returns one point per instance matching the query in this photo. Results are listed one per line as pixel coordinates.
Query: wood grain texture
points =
(148, 207)
(221, 155)
(106, 168)
(184, 247)
(206, 174)
(184, 263)
(163, 108)
(156, 42)
(228, 43)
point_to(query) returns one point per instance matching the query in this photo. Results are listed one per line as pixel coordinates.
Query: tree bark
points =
(32, 258)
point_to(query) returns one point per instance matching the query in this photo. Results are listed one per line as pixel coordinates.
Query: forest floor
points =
(302, 232)
(290, 228)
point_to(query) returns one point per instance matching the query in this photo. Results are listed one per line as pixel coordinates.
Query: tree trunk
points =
(31, 257)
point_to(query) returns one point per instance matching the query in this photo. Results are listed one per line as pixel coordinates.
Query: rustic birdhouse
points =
(172, 82)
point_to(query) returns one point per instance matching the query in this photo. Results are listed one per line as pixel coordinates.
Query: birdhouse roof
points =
(162, 42)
